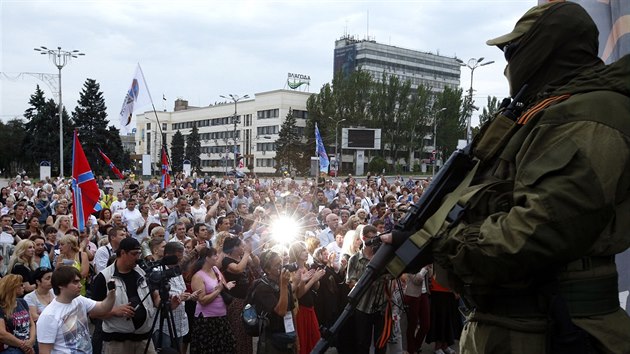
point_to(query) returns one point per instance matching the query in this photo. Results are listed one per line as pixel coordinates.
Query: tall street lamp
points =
(337, 165)
(435, 138)
(235, 99)
(60, 58)
(472, 65)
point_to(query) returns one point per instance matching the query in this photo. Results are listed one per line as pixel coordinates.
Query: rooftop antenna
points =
(345, 29)
(368, 25)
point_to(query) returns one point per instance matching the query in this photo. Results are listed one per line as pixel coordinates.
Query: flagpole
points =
(168, 158)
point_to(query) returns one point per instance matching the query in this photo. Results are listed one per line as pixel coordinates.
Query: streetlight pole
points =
(235, 99)
(472, 65)
(60, 58)
(337, 164)
(435, 138)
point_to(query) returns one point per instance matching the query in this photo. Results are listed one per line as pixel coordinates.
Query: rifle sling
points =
(448, 213)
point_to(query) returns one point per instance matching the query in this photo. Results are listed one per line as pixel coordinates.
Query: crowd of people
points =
(193, 255)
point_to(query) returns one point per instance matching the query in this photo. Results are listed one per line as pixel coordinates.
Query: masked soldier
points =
(533, 251)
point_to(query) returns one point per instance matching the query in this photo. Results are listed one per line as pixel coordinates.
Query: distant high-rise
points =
(431, 70)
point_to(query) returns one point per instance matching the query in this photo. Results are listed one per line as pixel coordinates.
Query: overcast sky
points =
(199, 50)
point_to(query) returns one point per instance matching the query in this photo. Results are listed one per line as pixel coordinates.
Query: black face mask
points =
(560, 44)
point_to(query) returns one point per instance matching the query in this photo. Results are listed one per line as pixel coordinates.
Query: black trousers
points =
(368, 328)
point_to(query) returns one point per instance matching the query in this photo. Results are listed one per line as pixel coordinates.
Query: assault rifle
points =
(414, 256)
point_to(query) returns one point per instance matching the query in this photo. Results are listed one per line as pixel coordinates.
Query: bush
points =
(377, 164)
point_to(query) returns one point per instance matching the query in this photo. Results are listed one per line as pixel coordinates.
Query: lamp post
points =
(337, 165)
(472, 65)
(235, 99)
(435, 138)
(60, 58)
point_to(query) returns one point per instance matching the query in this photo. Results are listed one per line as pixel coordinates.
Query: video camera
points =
(157, 274)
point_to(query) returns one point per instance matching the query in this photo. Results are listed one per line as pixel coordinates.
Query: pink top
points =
(217, 307)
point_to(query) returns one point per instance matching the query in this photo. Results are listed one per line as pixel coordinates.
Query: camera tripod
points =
(164, 312)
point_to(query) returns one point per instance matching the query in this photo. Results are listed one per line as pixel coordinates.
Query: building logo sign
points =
(294, 81)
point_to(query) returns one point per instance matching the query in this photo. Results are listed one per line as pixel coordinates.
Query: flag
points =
(137, 97)
(85, 193)
(612, 18)
(111, 165)
(166, 179)
(320, 151)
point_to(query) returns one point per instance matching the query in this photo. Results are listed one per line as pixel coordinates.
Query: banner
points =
(111, 165)
(137, 96)
(613, 22)
(320, 151)
(85, 192)
(166, 178)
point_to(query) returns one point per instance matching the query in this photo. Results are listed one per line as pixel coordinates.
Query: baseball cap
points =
(129, 244)
(523, 25)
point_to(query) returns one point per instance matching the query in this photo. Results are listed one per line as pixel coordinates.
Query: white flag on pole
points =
(137, 96)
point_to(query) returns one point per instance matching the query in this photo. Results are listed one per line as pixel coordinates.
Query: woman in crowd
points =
(50, 233)
(446, 324)
(328, 295)
(17, 329)
(70, 254)
(235, 268)
(104, 217)
(43, 295)
(160, 211)
(351, 244)
(198, 210)
(211, 330)
(63, 225)
(33, 226)
(40, 256)
(22, 262)
(273, 295)
(307, 324)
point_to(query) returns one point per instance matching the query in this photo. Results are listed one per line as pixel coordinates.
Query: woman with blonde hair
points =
(351, 243)
(17, 329)
(22, 262)
(70, 254)
(63, 224)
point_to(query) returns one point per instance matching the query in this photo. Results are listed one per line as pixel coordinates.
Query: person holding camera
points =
(127, 327)
(368, 317)
(273, 295)
(54, 332)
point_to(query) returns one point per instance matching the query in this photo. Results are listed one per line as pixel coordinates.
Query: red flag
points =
(111, 165)
(85, 193)
(166, 179)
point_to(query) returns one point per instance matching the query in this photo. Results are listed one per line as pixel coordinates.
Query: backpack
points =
(253, 321)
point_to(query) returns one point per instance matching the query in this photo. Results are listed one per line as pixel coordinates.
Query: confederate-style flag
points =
(166, 179)
(85, 193)
(111, 165)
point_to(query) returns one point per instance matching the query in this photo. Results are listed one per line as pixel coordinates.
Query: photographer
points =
(368, 317)
(178, 295)
(126, 327)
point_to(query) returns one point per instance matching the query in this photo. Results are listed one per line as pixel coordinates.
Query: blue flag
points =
(320, 151)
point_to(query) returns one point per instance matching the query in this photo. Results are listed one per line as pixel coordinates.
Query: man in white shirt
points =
(130, 214)
(63, 325)
(104, 253)
(119, 204)
(140, 226)
(328, 234)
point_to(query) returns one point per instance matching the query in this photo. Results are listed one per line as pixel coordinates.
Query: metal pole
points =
(234, 134)
(60, 126)
(337, 149)
(470, 106)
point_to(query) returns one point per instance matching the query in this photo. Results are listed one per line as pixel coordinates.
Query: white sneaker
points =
(449, 350)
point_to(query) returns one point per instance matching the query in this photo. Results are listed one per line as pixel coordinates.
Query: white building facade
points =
(258, 122)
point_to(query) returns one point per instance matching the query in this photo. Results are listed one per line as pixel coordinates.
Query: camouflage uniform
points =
(548, 210)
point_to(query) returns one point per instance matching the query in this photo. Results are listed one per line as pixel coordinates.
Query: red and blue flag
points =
(85, 192)
(111, 165)
(166, 178)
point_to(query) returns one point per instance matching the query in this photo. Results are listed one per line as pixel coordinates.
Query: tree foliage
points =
(193, 149)
(42, 134)
(90, 119)
(12, 160)
(451, 123)
(177, 152)
(490, 110)
(289, 152)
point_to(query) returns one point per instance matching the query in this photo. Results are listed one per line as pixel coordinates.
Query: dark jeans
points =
(368, 328)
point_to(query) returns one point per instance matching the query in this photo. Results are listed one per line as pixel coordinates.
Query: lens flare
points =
(285, 229)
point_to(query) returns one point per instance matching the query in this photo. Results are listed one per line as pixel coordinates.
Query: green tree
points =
(419, 124)
(90, 119)
(11, 159)
(451, 123)
(177, 152)
(193, 149)
(42, 134)
(288, 149)
(489, 111)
